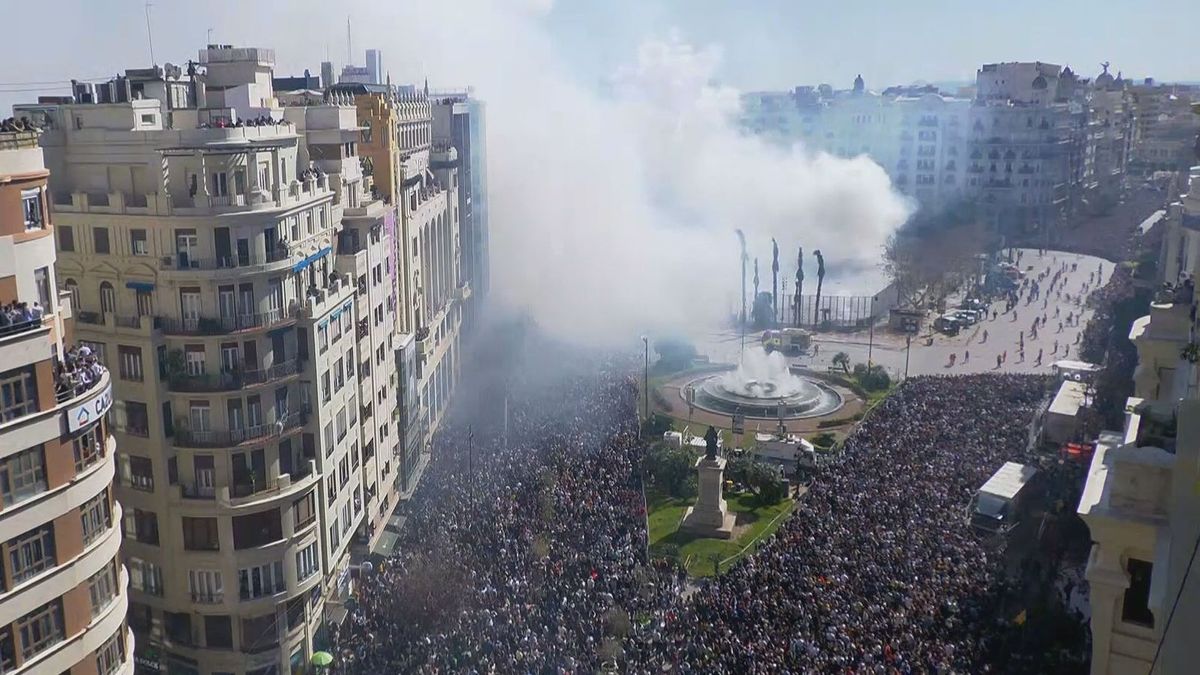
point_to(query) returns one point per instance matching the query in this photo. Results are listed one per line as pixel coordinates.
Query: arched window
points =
(108, 298)
(73, 288)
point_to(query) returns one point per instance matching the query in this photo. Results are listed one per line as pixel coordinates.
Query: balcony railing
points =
(188, 438)
(183, 261)
(208, 598)
(198, 490)
(232, 381)
(226, 324)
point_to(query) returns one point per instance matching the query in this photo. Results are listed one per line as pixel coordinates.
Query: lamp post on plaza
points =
(907, 352)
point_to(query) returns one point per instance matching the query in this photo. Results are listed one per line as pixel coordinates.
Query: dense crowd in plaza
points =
(527, 554)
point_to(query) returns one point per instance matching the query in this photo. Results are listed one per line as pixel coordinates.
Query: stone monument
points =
(710, 517)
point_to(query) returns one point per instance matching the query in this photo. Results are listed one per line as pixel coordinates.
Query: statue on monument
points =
(710, 444)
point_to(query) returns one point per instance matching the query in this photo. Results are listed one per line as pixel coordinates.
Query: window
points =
(295, 618)
(102, 588)
(206, 586)
(23, 475)
(304, 510)
(145, 303)
(41, 281)
(335, 537)
(344, 471)
(220, 187)
(179, 627)
(345, 517)
(261, 581)
(96, 517)
(218, 631)
(307, 562)
(137, 420)
(137, 242)
(41, 629)
(330, 486)
(100, 239)
(340, 419)
(66, 238)
(110, 657)
(1136, 608)
(130, 363)
(142, 526)
(31, 202)
(328, 434)
(257, 529)
(108, 297)
(322, 338)
(18, 394)
(194, 359)
(326, 395)
(31, 553)
(260, 633)
(200, 534)
(140, 473)
(339, 379)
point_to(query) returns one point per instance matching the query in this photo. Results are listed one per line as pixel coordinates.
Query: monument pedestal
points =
(710, 517)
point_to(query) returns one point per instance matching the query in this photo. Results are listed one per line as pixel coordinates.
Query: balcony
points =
(227, 324)
(187, 438)
(249, 489)
(233, 381)
(182, 262)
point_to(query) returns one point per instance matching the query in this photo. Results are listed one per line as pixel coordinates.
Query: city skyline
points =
(592, 40)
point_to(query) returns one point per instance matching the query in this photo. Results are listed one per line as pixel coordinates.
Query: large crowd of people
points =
(524, 549)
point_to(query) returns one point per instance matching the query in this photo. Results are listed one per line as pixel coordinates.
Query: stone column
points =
(710, 516)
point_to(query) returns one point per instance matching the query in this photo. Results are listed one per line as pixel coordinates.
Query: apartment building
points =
(458, 121)
(420, 176)
(916, 134)
(224, 254)
(62, 585)
(1164, 128)
(1140, 500)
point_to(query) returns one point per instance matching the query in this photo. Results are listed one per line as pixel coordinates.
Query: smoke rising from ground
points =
(613, 204)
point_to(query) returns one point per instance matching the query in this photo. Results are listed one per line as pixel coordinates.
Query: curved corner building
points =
(62, 586)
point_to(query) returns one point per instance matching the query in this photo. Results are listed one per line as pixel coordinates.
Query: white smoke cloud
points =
(613, 204)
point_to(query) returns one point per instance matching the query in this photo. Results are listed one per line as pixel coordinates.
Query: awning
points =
(386, 545)
(311, 259)
(139, 285)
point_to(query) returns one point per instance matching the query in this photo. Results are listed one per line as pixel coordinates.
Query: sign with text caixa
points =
(85, 413)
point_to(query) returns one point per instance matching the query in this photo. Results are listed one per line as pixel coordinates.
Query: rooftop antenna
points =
(349, 43)
(150, 35)
(209, 37)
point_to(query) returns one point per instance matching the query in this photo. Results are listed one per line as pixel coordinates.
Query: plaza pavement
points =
(1003, 332)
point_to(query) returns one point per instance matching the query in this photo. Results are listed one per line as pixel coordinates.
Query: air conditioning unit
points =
(166, 262)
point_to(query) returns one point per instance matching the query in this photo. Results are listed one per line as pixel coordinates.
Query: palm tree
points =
(820, 281)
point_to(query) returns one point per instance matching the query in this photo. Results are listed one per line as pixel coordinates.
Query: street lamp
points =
(646, 381)
(907, 352)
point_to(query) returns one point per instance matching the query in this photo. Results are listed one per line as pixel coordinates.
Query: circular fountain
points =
(760, 385)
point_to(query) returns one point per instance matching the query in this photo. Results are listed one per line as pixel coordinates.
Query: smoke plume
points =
(613, 204)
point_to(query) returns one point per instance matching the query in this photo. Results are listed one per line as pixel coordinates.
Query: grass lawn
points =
(697, 552)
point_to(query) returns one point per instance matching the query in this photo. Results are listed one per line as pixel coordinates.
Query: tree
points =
(674, 354)
(934, 252)
(671, 469)
(874, 378)
(842, 360)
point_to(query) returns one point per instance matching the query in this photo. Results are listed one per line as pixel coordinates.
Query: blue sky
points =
(766, 43)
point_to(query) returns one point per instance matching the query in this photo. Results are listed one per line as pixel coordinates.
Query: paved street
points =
(1003, 333)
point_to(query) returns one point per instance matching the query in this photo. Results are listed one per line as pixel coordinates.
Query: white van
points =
(997, 506)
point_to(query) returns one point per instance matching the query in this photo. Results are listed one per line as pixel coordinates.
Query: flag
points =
(1020, 618)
